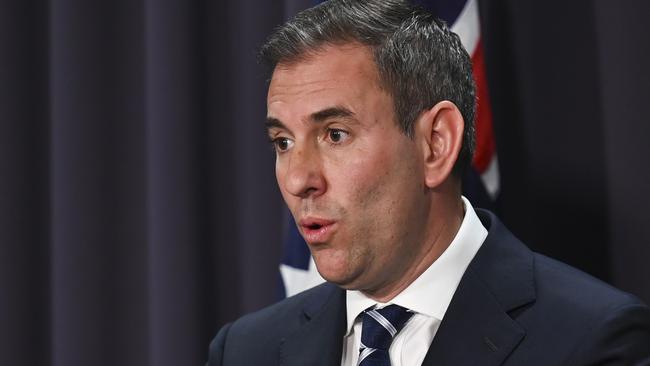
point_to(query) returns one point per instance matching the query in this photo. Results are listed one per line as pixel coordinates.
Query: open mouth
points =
(314, 226)
(317, 230)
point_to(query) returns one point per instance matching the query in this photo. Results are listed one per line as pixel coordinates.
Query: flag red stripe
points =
(485, 146)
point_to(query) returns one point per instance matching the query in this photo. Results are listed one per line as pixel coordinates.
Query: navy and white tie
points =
(379, 327)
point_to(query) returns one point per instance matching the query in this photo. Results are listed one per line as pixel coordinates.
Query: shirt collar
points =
(431, 293)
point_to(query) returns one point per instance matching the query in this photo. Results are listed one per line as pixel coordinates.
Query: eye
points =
(337, 136)
(282, 144)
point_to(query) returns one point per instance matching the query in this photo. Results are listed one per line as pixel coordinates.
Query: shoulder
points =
(579, 317)
(504, 260)
(560, 283)
(583, 318)
(577, 298)
(257, 336)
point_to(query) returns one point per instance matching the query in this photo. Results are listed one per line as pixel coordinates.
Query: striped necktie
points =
(379, 326)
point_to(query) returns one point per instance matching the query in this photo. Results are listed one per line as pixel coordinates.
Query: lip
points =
(317, 230)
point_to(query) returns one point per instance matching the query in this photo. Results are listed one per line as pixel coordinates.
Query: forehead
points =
(332, 74)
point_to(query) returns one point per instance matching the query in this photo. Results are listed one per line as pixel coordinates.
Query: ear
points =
(439, 132)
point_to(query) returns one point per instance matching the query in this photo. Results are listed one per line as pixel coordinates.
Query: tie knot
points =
(381, 325)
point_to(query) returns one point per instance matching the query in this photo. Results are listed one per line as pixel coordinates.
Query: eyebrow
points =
(317, 117)
(332, 112)
(272, 122)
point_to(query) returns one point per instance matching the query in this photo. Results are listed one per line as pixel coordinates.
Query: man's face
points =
(352, 180)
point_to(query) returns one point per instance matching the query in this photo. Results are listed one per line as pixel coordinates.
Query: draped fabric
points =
(138, 205)
(130, 232)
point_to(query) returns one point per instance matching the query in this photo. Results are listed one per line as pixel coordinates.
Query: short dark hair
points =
(419, 60)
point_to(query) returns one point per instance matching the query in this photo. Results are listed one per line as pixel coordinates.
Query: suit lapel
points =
(319, 341)
(477, 328)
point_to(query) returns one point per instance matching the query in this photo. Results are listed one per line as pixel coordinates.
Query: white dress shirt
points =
(428, 296)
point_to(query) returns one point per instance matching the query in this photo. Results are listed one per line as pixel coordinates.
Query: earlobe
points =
(440, 133)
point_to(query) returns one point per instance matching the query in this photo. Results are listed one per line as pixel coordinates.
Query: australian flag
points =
(481, 182)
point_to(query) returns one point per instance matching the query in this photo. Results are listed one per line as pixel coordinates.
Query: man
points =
(371, 109)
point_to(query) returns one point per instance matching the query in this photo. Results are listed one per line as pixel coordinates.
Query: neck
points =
(444, 220)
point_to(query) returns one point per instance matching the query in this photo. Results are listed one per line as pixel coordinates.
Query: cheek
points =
(372, 186)
(386, 191)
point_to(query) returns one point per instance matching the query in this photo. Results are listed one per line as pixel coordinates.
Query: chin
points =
(335, 272)
(342, 279)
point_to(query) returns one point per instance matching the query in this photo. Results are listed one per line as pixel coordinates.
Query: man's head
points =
(365, 145)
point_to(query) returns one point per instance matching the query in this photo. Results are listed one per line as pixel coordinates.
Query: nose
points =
(303, 175)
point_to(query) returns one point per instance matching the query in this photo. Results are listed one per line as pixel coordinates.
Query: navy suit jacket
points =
(512, 307)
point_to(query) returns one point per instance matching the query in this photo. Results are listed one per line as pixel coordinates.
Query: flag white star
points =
(297, 280)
